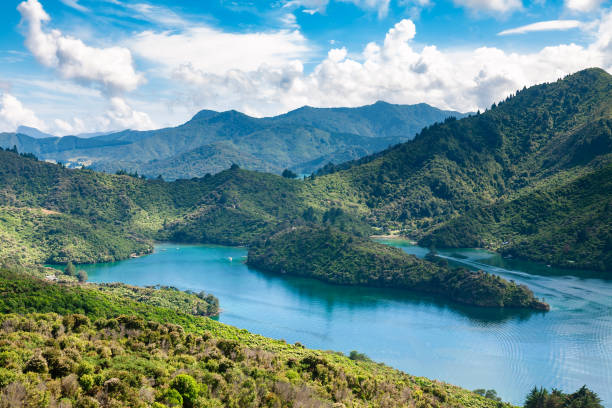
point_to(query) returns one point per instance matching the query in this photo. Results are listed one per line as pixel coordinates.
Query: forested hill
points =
(541, 138)
(302, 140)
(341, 258)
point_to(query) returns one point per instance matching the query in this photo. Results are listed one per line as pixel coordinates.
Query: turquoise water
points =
(509, 351)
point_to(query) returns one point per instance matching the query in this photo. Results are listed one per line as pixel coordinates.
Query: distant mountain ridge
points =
(302, 140)
(37, 134)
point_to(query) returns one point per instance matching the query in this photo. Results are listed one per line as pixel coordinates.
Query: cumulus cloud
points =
(396, 71)
(118, 116)
(14, 114)
(215, 51)
(583, 5)
(491, 6)
(553, 25)
(112, 69)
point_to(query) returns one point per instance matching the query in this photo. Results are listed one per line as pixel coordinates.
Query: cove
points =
(507, 350)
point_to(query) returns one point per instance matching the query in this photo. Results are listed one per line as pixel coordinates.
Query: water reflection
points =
(356, 297)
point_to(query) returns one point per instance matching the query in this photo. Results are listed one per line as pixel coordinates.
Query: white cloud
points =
(583, 5)
(75, 5)
(156, 14)
(491, 6)
(319, 6)
(553, 25)
(118, 116)
(395, 71)
(121, 116)
(112, 68)
(215, 51)
(14, 114)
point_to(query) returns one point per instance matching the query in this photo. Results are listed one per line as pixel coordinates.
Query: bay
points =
(507, 350)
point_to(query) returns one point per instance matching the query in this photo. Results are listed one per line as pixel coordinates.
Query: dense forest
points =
(567, 224)
(543, 144)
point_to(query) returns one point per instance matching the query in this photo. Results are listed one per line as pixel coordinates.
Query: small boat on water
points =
(230, 258)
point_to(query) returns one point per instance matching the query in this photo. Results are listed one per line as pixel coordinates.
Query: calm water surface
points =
(510, 351)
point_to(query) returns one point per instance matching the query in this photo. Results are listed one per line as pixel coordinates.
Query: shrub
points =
(86, 381)
(187, 386)
(112, 385)
(70, 385)
(37, 364)
(13, 395)
(70, 269)
(82, 276)
(87, 402)
(172, 398)
(357, 356)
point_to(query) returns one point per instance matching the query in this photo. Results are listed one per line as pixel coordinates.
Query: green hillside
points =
(568, 224)
(536, 141)
(77, 345)
(52, 214)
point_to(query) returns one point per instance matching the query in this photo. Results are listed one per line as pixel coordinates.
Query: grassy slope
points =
(340, 258)
(77, 356)
(52, 214)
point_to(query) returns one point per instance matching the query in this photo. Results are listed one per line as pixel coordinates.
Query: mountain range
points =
(529, 177)
(302, 140)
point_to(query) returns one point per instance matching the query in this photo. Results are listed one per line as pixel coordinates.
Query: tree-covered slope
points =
(212, 141)
(568, 224)
(52, 214)
(82, 347)
(379, 120)
(543, 135)
(334, 256)
(460, 164)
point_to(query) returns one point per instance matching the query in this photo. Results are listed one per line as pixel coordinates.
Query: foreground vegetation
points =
(583, 398)
(337, 257)
(76, 345)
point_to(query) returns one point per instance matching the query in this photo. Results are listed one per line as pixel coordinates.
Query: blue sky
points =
(72, 66)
